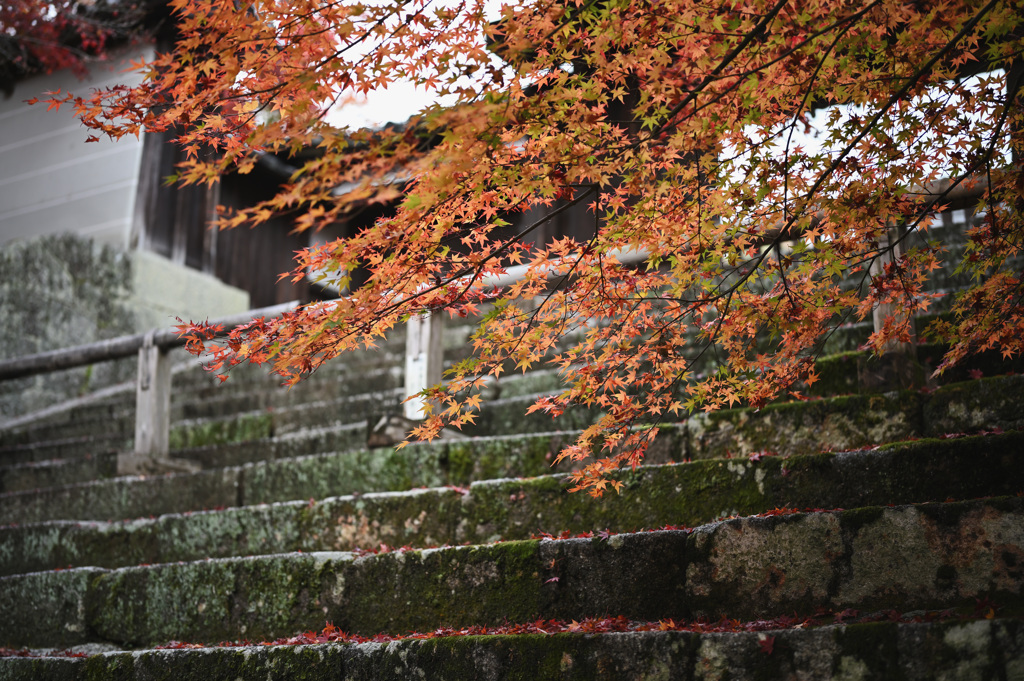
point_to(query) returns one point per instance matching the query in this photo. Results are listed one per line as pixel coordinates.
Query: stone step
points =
(196, 394)
(846, 373)
(836, 424)
(118, 426)
(800, 427)
(220, 403)
(206, 416)
(454, 462)
(58, 472)
(352, 371)
(929, 556)
(78, 468)
(113, 422)
(305, 442)
(687, 494)
(288, 417)
(60, 449)
(912, 651)
(853, 421)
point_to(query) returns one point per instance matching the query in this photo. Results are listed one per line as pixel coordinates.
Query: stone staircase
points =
(853, 535)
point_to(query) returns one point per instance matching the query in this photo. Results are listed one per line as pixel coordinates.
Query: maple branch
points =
(755, 33)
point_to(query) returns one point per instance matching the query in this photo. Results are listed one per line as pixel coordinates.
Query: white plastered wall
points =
(51, 180)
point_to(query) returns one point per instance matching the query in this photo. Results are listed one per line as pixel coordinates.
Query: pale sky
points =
(393, 105)
(402, 100)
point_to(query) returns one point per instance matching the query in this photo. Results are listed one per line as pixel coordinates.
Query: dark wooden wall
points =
(175, 223)
(254, 258)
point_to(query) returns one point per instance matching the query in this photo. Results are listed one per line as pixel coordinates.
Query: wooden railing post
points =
(424, 354)
(152, 401)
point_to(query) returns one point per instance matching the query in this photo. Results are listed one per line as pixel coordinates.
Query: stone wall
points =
(55, 292)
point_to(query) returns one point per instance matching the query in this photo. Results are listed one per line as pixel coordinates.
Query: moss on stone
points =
(111, 667)
(855, 519)
(209, 601)
(982, 649)
(460, 460)
(240, 428)
(46, 608)
(583, 577)
(505, 417)
(417, 518)
(837, 374)
(527, 657)
(987, 403)
(749, 568)
(806, 427)
(421, 590)
(121, 498)
(678, 494)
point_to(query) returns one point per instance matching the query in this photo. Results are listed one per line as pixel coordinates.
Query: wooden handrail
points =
(117, 348)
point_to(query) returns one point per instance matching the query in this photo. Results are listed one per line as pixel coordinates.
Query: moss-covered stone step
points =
(846, 373)
(977, 404)
(104, 418)
(791, 428)
(203, 384)
(124, 497)
(797, 427)
(79, 467)
(117, 421)
(365, 370)
(273, 411)
(200, 398)
(218, 402)
(802, 427)
(507, 416)
(317, 402)
(68, 448)
(687, 494)
(58, 472)
(453, 462)
(306, 442)
(435, 464)
(972, 649)
(234, 427)
(853, 421)
(930, 556)
(794, 428)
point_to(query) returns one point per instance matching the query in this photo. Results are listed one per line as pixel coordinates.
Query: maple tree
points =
(676, 122)
(41, 36)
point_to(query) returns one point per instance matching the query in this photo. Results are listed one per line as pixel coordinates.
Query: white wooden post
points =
(424, 354)
(896, 367)
(152, 401)
(884, 310)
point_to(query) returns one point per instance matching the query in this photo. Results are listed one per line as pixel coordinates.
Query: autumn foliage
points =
(717, 232)
(40, 36)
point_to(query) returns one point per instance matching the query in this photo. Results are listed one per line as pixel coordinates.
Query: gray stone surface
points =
(978, 650)
(932, 556)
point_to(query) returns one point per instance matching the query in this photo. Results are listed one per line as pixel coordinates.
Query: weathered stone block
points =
(46, 608)
(970, 406)
(832, 424)
(118, 499)
(240, 598)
